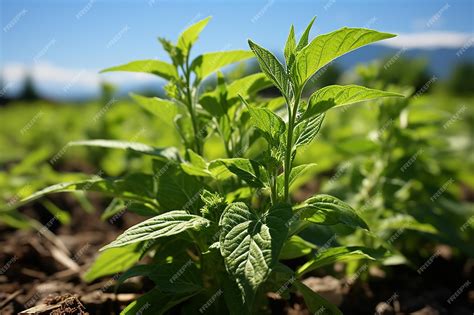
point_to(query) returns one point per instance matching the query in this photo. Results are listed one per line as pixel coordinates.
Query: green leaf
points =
(295, 173)
(157, 67)
(115, 207)
(63, 216)
(172, 249)
(185, 129)
(137, 186)
(405, 221)
(177, 277)
(338, 95)
(208, 63)
(16, 220)
(118, 206)
(212, 104)
(196, 166)
(315, 303)
(357, 145)
(296, 247)
(173, 51)
(269, 123)
(275, 103)
(114, 260)
(196, 159)
(233, 297)
(272, 68)
(166, 224)
(167, 153)
(245, 169)
(306, 131)
(156, 302)
(328, 210)
(190, 35)
(176, 188)
(251, 244)
(85, 203)
(325, 48)
(304, 38)
(165, 110)
(290, 45)
(248, 85)
(341, 254)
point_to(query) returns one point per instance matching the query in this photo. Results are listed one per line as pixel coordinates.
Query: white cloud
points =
(47, 72)
(57, 81)
(429, 40)
(13, 72)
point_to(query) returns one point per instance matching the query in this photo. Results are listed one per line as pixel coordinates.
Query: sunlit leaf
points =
(168, 152)
(208, 63)
(338, 95)
(137, 186)
(307, 130)
(290, 45)
(325, 48)
(248, 85)
(196, 166)
(190, 35)
(160, 68)
(296, 172)
(304, 38)
(328, 210)
(166, 224)
(114, 260)
(296, 247)
(245, 169)
(270, 124)
(165, 110)
(341, 254)
(271, 67)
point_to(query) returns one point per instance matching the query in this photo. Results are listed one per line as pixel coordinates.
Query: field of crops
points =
(247, 183)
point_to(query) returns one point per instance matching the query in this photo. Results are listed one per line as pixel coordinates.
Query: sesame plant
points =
(394, 183)
(220, 230)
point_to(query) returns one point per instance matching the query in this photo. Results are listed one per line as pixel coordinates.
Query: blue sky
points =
(93, 34)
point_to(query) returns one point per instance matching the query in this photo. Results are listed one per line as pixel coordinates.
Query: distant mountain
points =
(440, 61)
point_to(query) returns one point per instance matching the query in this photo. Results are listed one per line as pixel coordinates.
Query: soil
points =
(41, 274)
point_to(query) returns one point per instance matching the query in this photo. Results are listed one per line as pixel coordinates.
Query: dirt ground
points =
(41, 272)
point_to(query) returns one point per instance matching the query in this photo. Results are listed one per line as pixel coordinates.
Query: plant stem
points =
(273, 186)
(287, 166)
(192, 108)
(231, 140)
(197, 132)
(292, 110)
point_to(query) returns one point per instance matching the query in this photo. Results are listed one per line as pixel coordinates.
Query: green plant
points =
(398, 178)
(220, 229)
(184, 77)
